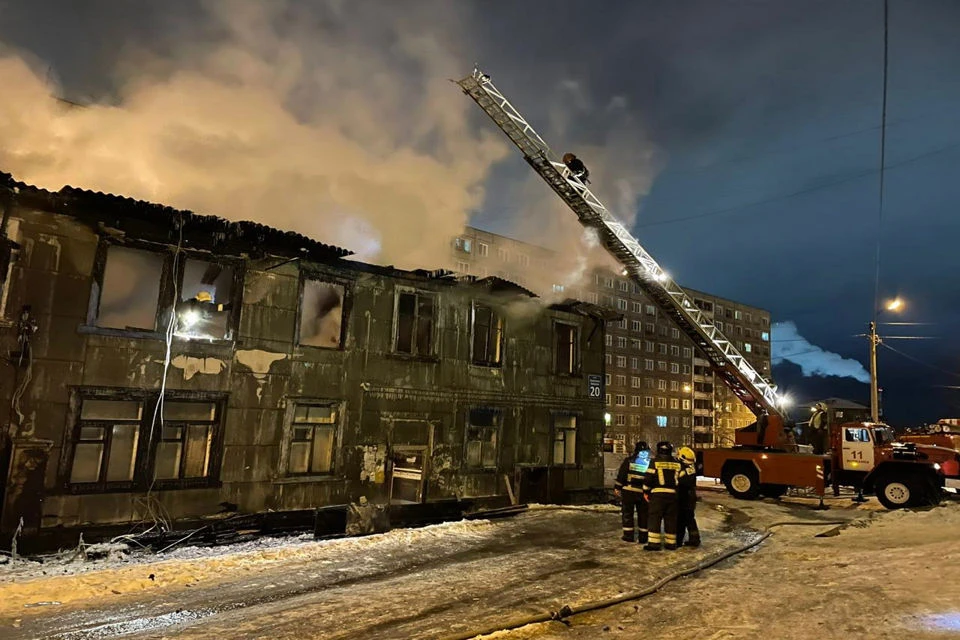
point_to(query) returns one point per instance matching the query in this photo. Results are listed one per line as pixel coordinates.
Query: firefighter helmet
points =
(687, 455)
(204, 296)
(664, 448)
(568, 158)
(641, 445)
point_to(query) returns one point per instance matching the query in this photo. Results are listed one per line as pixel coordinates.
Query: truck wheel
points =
(897, 493)
(742, 482)
(774, 491)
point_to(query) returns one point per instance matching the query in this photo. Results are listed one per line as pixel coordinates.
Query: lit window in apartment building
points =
(662, 385)
(648, 401)
(636, 307)
(661, 402)
(635, 325)
(621, 342)
(608, 339)
(748, 347)
(621, 400)
(621, 304)
(648, 365)
(634, 401)
(674, 350)
(662, 348)
(661, 365)
(620, 420)
(737, 315)
(686, 369)
(650, 327)
(624, 286)
(686, 403)
(661, 421)
(608, 358)
(558, 288)
(674, 403)
(483, 250)
(674, 385)
(607, 378)
(635, 344)
(651, 310)
(606, 399)
(463, 244)
(622, 362)
(675, 333)
(635, 382)
(649, 346)
(765, 336)
(687, 352)
(674, 367)
(621, 380)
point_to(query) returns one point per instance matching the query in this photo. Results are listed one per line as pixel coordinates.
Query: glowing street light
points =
(686, 388)
(895, 305)
(892, 305)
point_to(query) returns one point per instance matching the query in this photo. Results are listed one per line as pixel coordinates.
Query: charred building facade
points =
(159, 361)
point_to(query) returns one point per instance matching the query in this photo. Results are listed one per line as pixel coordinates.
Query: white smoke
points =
(788, 345)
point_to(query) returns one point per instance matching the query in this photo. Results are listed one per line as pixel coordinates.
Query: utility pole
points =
(874, 396)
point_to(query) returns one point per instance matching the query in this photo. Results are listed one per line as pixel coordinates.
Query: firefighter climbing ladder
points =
(748, 385)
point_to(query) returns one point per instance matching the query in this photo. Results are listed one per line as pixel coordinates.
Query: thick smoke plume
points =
(788, 345)
(334, 120)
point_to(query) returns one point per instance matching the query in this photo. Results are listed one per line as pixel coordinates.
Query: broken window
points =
(185, 440)
(105, 441)
(483, 428)
(415, 322)
(564, 440)
(130, 291)
(321, 314)
(312, 436)
(487, 336)
(204, 307)
(566, 341)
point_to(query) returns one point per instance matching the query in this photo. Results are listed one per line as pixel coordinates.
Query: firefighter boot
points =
(642, 538)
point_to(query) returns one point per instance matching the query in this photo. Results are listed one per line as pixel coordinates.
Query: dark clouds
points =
(754, 126)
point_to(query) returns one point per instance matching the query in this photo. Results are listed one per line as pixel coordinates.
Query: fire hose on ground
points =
(567, 611)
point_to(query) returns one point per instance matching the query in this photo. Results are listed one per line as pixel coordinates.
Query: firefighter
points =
(819, 434)
(686, 511)
(577, 167)
(629, 486)
(660, 486)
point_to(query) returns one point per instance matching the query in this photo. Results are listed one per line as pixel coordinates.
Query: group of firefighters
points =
(659, 492)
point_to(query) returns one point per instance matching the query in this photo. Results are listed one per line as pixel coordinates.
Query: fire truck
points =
(763, 461)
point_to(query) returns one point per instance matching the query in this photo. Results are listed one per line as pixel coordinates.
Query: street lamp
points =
(893, 305)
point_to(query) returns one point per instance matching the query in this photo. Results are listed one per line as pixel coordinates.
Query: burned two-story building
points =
(164, 365)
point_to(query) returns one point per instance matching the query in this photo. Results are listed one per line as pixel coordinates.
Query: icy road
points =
(882, 576)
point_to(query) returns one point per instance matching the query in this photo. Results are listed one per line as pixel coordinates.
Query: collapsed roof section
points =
(158, 223)
(588, 309)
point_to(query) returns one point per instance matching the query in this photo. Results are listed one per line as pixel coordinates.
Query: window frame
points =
(435, 330)
(167, 301)
(496, 318)
(289, 424)
(347, 305)
(575, 369)
(148, 443)
(576, 442)
(498, 439)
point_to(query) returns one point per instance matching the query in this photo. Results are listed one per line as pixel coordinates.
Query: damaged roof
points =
(158, 223)
(587, 309)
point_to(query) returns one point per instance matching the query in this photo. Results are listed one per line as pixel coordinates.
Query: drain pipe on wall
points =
(567, 611)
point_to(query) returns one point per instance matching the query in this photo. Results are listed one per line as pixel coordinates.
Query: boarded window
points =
(312, 436)
(106, 441)
(565, 440)
(131, 289)
(483, 428)
(321, 314)
(566, 344)
(415, 321)
(487, 336)
(204, 307)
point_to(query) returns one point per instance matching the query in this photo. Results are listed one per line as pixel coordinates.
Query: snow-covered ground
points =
(886, 573)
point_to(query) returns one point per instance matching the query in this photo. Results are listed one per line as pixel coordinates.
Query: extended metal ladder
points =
(750, 387)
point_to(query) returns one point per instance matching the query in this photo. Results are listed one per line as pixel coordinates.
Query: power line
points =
(883, 157)
(920, 362)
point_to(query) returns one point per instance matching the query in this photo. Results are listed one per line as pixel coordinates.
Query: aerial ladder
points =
(758, 394)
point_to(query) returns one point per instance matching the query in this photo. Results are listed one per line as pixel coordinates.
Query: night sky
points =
(759, 124)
